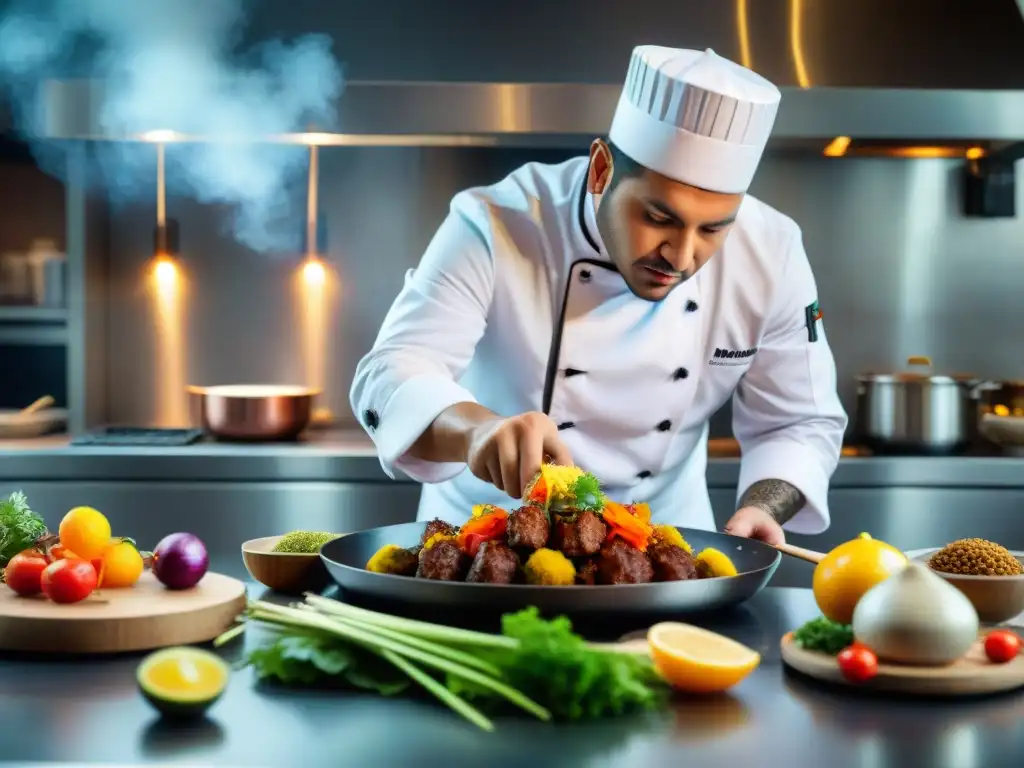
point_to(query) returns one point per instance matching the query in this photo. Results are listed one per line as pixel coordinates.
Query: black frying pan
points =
(346, 559)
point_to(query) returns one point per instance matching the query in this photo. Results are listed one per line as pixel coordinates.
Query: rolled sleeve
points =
(797, 464)
(405, 416)
(787, 415)
(427, 340)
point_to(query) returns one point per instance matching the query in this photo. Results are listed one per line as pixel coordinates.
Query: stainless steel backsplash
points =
(900, 271)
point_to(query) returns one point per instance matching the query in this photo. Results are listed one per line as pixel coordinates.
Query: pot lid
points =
(922, 374)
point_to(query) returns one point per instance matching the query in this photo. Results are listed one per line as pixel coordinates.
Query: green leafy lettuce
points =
(556, 668)
(305, 660)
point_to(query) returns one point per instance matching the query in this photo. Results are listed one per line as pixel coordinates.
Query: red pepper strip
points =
(484, 528)
(471, 543)
(538, 494)
(641, 510)
(636, 542)
(628, 527)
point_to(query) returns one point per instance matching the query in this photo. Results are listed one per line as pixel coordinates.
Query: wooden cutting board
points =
(137, 618)
(972, 675)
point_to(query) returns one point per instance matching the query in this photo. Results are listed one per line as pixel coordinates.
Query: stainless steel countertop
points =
(54, 712)
(348, 456)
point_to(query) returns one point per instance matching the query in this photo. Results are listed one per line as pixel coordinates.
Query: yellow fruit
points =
(850, 570)
(698, 661)
(182, 682)
(669, 534)
(716, 563)
(85, 531)
(120, 566)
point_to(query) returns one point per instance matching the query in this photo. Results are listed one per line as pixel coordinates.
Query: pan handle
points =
(800, 553)
(981, 387)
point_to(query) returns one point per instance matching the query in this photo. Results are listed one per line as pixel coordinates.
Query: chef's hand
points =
(755, 523)
(509, 452)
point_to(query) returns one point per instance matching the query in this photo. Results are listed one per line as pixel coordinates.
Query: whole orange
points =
(85, 531)
(850, 570)
(120, 566)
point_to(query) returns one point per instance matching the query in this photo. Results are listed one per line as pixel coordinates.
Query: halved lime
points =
(182, 681)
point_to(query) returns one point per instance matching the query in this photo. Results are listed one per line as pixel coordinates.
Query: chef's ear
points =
(601, 167)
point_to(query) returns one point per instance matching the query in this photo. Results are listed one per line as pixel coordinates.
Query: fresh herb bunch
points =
(541, 667)
(557, 668)
(586, 493)
(824, 636)
(20, 527)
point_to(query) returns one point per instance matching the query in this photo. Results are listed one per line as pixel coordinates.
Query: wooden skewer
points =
(799, 552)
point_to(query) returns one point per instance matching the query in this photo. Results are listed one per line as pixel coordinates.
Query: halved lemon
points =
(699, 661)
(182, 681)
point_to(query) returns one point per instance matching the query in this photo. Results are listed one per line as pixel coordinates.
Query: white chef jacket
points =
(517, 306)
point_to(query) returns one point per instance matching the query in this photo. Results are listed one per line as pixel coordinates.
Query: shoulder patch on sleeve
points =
(812, 314)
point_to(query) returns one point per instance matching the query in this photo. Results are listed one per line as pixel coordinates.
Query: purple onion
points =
(180, 560)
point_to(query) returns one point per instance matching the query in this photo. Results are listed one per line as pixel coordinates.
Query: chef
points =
(600, 310)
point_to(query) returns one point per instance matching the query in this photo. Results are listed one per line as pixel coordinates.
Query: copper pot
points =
(252, 412)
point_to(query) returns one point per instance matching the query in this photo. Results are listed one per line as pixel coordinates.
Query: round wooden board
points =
(137, 618)
(972, 675)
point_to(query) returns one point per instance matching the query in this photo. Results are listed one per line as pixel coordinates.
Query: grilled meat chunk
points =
(671, 563)
(495, 563)
(528, 528)
(435, 526)
(586, 574)
(619, 563)
(444, 561)
(581, 537)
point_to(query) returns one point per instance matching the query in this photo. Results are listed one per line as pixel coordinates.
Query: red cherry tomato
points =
(24, 572)
(857, 663)
(1002, 646)
(68, 581)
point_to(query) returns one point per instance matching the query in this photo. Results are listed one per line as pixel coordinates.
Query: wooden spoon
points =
(800, 553)
(43, 402)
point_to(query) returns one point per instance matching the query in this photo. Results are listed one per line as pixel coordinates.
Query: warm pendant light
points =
(313, 270)
(168, 295)
(165, 235)
(315, 285)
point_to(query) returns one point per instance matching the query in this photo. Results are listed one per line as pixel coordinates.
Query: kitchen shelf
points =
(570, 114)
(33, 314)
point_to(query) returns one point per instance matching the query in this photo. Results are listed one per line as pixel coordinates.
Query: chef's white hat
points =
(694, 117)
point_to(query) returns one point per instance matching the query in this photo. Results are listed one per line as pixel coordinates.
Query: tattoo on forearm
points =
(776, 497)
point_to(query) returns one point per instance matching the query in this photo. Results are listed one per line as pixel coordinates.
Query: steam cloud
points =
(171, 64)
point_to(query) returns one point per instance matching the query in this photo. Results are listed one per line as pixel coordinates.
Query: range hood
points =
(917, 72)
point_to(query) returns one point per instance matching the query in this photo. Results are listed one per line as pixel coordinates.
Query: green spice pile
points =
(824, 636)
(303, 542)
(540, 667)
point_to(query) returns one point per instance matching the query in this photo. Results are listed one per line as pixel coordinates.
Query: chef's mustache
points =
(658, 262)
